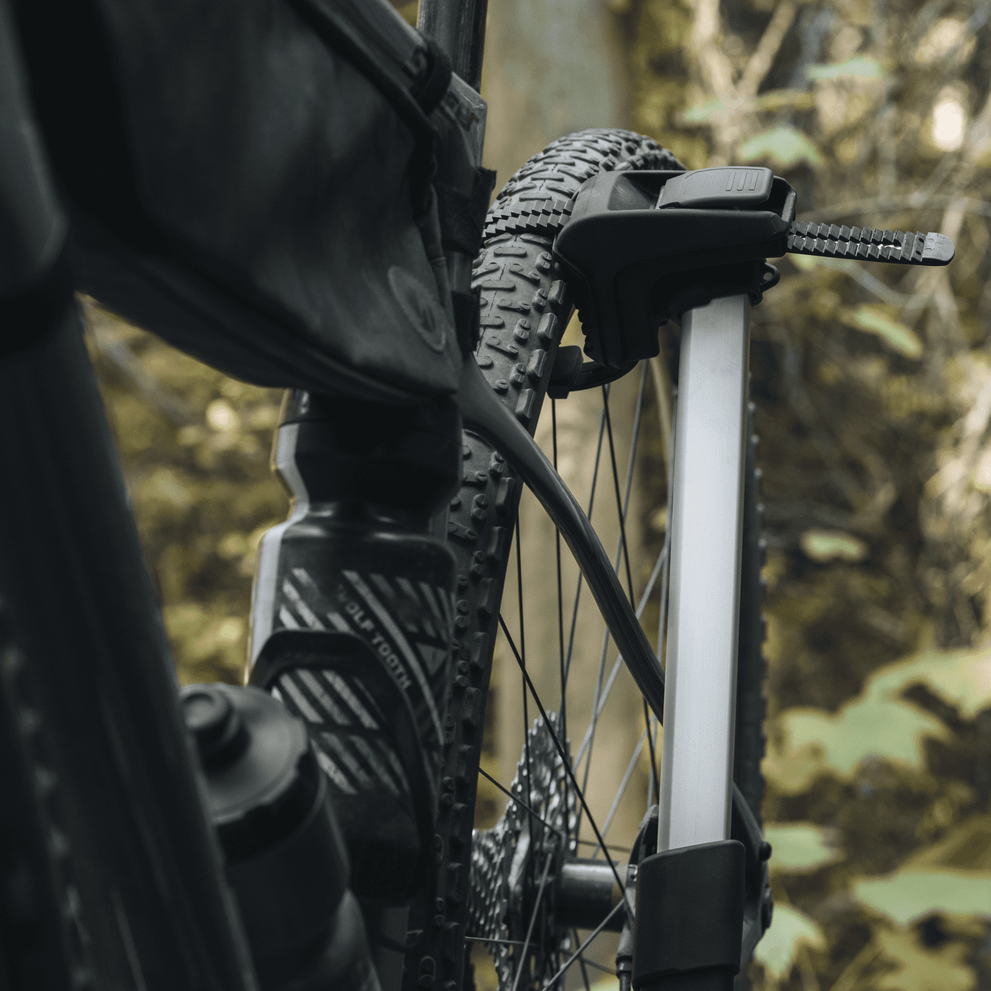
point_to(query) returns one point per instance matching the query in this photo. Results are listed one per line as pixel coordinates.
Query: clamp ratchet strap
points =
(869, 244)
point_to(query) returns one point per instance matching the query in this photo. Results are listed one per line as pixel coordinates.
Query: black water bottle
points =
(286, 861)
(353, 617)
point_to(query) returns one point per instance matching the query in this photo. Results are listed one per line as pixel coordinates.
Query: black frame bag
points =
(252, 181)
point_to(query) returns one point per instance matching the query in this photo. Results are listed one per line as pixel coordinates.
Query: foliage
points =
(800, 846)
(873, 320)
(874, 411)
(915, 967)
(910, 895)
(791, 933)
(880, 721)
(781, 147)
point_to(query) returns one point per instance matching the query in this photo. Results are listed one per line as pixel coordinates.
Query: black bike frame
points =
(103, 768)
(458, 26)
(100, 806)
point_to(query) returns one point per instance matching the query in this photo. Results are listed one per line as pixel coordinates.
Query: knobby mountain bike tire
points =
(526, 305)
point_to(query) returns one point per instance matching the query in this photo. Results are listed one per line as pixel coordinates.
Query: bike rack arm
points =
(697, 760)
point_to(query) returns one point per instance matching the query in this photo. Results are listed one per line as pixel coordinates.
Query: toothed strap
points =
(869, 244)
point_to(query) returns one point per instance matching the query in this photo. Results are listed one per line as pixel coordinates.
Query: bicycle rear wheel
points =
(526, 306)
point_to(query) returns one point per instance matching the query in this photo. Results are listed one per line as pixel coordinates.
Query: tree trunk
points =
(553, 67)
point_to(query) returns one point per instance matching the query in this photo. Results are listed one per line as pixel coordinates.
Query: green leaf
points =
(912, 894)
(915, 967)
(859, 67)
(781, 99)
(769, 102)
(785, 146)
(704, 111)
(895, 334)
(789, 930)
(878, 722)
(832, 545)
(961, 678)
(798, 846)
(817, 742)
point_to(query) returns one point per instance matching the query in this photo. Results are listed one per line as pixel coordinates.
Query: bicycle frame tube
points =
(700, 691)
(101, 814)
(458, 26)
(137, 861)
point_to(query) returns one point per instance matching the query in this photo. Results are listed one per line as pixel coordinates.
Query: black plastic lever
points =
(729, 186)
(631, 249)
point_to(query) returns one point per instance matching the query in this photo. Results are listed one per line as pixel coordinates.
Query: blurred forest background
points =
(873, 390)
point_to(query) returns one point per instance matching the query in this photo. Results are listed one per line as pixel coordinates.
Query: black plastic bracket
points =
(641, 247)
(571, 374)
(679, 292)
(689, 918)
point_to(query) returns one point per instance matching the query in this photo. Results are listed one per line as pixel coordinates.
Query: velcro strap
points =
(462, 218)
(466, 318)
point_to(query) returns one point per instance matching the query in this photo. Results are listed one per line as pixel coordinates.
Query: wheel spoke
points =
(562, 753)
(533, 919)
(648, 716)
(663, 618)
(622, 788)
(649, 732)
(581, 578)
(581, 949)
(585, 749)
(625, 502)
(522, 657)
(581, 963)
(597, 966)
(596, 710)
(658, 566)
(560, 588)
(622, 549)
(536, 815)
(653, 784)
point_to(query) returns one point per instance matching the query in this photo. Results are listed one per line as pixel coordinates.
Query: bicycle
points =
(152, 822)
